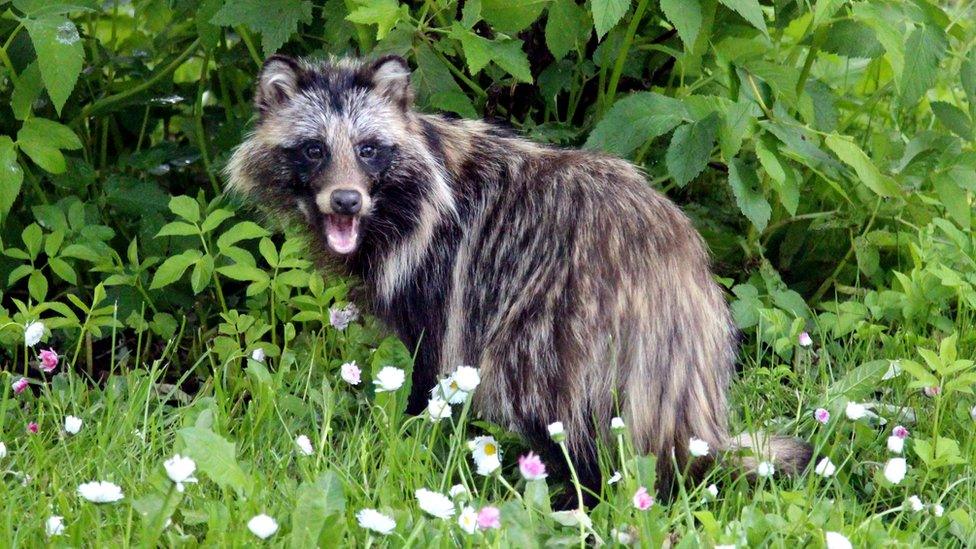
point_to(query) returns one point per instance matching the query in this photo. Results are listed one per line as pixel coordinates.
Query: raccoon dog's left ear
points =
(391, 77)
(277, 82)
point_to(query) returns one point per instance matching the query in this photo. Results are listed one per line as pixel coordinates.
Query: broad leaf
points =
(382, 13)
(690, 148)
(11, 175)
(216, 457)
(60, 55)
(924, 49)
(852, 155)
(511, 16)
(750, 10)
(686, 16)
(316, 502)
(748, 193)
(276, 21)
(645, 115)
(607, 13)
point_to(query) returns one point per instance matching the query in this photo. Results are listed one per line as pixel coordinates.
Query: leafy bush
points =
(824, 149)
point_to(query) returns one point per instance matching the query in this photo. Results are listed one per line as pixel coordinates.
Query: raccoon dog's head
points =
(333, 144)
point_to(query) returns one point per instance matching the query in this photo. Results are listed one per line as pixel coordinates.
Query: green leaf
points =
(476, 48)
(60, 54)
(382, 13)
(202, 273)
(690, 149)
(42, 139)
(178, 228)
(172, 269)
(63, 270)
(859, 382)
(686, 17)
(850, 38)
(315, 503)
(645, 115)
(607, 13)
(567, 22)
(185, 207)
(953, 198)
(11, 175)
(37, 286)
(511, 16)
(276, 21)
(215, 218)
(852, 155)
(750, 10)
(245, 230)
(216, 457)
(33, 239)
(924, 49)
(28, 88)
(748, 193)
(954, 118)
(508, 55)
(453, 101)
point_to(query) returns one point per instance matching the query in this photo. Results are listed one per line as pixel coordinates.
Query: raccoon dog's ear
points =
(277, 82)
(391, 76)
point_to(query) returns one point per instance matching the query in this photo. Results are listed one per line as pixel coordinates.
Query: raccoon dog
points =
(579, 291)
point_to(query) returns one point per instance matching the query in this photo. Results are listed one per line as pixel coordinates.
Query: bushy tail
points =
(789, 455)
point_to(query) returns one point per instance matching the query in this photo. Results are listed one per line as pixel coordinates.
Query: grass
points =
(241, 423)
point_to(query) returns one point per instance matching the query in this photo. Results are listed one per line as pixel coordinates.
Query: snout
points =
(346, 201)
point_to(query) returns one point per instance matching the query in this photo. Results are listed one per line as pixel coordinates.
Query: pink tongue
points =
(341, 232)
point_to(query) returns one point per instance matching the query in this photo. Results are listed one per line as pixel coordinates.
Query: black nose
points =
(346, 202)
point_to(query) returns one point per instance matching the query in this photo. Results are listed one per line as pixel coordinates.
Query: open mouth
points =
(342, 231)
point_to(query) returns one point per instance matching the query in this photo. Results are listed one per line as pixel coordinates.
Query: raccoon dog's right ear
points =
(277, 82)
(391, 76)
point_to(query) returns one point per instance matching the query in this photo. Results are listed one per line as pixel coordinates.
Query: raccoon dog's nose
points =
(346, 202)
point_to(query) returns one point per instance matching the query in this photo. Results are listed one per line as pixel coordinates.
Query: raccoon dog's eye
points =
(313, 150)
(367, 151)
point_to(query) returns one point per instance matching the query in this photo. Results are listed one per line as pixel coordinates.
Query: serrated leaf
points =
(852, 155)
(924, 49)
(276, 21)
(315, 503)
(511, 16)
(859, 381)
(11, 175)
(382, 13)
(60, 54)
(690, 149)
(686, 16)
(28, 88)
(508, 55)
(42, 139)
(953, 198)
(476, 48)
(645, 115)
(850, 38)
(607, 13)
(185, 207)
(748, 194)
(954, 118)
(566, 22)
(63, 270)
(215, 218)
(216, 457)
(750, 10)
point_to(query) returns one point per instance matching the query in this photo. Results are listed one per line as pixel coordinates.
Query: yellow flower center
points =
(490, 449)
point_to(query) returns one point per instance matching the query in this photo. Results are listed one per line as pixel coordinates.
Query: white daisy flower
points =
(712, 490)
(896, 444)
(180, 470)
(3, 450)
(467, 378)
(100, 492)
(438, 409)
(825, 468)
(434, 504)
(389, 379)
(486, 454)
(556, 431)
(449, 390)
(937, 510)
(262, 526)
(855, 411)
(33, 333)
(615, 478)
(697, 447)
(915, 503)
(468, 520)
(457, 490)
(371, 519)
(54, 526)
(72, 425)
(836, 540)
(617, 424)
(895, 470)
(304, 445)
(765, 469)
(258, 354)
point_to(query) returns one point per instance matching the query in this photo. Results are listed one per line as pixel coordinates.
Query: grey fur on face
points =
(579, 291)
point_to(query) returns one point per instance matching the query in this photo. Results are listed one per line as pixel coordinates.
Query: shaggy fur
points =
(579, 291)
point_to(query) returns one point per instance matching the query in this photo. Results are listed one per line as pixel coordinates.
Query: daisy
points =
(836, 540)
(486, 454)
(54, 526)
(258, 354)
(765, 469)
(33, 333)
(3, 450)
(262, 526)
(340, 318)
(855, 411)
(531, 467)
(468, 520)
(937, 510)
(72, 425)
(557, 431)
(915, 503)
(19, 386)
(489, 517)
(895, 470)
(49, 360)
(449, 390)
(438, 409)
(805, 340)
(712, 490)
(389, 379)
(434, 504)
(825, 468)
(371, 519)
(900, 431)
(896, 444)
(467, 378)
(617, 424)
(304, 445)
(932, 391)
(350, 373)
(100, 492)
(642, 500)
(697, 447)
(180, 470)
(32, 428)
(615, 478)
(457, 491)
